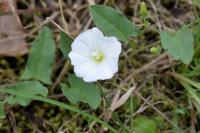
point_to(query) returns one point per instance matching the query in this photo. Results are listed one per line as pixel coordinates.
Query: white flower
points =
(95, 56)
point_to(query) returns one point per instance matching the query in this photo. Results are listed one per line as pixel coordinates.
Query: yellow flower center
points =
(97, 55)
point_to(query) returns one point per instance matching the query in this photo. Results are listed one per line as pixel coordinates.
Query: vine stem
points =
(62, 105)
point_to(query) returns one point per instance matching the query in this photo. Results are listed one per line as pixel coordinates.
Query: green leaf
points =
(143, 124)
(27, 88)
(192, 92)
(181, 111)
(179, 46)
(65, 44)
(41, 58)
(2, 114)
(62, 105)
(112, 22)
(18, 100)
(193, 73)
(82, 91)
(188, 81)
(196, 33)
(196, 3)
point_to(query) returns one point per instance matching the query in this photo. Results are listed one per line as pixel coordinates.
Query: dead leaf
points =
(3, 7)
(122, 100)
(12, 41)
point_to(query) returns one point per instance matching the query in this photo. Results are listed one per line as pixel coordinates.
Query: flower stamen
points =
(97, 55)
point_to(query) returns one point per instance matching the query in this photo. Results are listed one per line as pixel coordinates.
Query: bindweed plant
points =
(94, 55)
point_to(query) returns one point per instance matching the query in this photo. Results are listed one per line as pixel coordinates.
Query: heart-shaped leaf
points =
(82, 91)
(180, 45)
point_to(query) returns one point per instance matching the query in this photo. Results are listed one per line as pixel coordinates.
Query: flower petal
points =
(77, 59)
(81, 48)
(102, 71)
(111, 47)
(112, 64)
(105, 71)
(84, 68)
(91, 76)
(89, 38)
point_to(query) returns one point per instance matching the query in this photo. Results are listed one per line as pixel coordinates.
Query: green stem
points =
(62, 105)
(184, 79)
(180, 77)
(71, 108)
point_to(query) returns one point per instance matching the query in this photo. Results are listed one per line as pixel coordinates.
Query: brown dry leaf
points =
(12, 42)
(122, 100)
(3, 7)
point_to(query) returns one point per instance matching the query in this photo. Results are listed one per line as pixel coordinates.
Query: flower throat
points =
(98, 56)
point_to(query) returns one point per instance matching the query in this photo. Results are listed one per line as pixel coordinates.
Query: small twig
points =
(157, 110)
(58, 26)
(156, 15)
(87, 24)
(176, 4)
(62, 17)
(43, 23)
(31, 32)
(14, 11)
(60, 76)
(56, 96)
(192, 121)
(142, 108)
(145, 67)
(91, 2)
(30, 10)
(12, 120)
